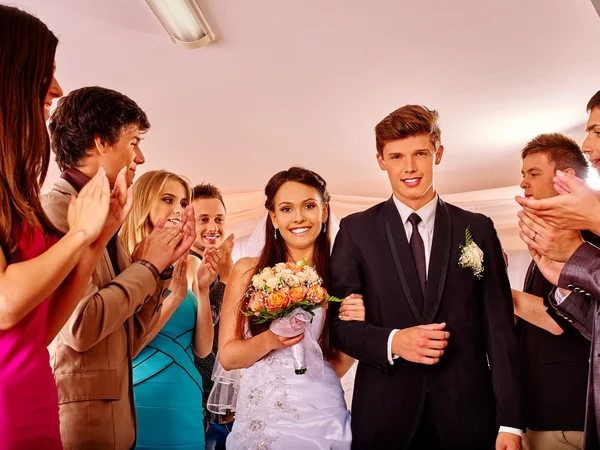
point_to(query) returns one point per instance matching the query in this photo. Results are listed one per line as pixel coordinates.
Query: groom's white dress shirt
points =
(425, 228)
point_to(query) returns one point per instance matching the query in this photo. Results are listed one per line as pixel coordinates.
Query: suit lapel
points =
(403, 260)
(438, 261)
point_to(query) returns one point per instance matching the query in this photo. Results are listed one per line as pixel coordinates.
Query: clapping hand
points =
(551, 242)
(576, 208)
(179, 283)
(208, 269)
(88, 211)
(188, 234)
(225, 258)
(549, 268)
(160, 245)
(121, 201)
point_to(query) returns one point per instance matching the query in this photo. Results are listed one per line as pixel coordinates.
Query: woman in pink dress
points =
(41, 277)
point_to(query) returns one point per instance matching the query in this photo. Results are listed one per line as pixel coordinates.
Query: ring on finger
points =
(534, 235)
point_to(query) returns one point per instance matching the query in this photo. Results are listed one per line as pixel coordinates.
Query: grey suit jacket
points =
(581, 275)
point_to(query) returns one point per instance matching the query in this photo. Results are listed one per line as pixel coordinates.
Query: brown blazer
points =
(91, 356)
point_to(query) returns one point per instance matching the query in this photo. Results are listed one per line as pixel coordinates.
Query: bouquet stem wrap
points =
(306, 354)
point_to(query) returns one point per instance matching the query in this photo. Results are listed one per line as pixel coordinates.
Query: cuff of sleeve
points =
(511, 430)
(389, 347)
(559, 297)
(150, 266)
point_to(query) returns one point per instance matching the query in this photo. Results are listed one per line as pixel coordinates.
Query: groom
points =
(438, 354)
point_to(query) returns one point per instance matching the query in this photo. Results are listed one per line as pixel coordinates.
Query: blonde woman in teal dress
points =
(167, 385)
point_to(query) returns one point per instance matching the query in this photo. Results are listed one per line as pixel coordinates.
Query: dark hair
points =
(87, 113)
(207, 190)
(410, 120)
(275, 250)
(594, 102)
(27, 50)
(559, 149)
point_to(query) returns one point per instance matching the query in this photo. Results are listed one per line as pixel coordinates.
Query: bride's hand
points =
(353, 308)
(276, 342)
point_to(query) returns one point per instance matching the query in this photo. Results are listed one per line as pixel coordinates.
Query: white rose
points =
(292, 280)
(280, 267)
(273, 282)
(301, 277)
(312, 276)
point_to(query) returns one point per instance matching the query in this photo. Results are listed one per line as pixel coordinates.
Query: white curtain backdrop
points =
(246, 218)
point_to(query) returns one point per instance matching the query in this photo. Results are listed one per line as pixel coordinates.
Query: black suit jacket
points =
(549, 360)
(469, 400)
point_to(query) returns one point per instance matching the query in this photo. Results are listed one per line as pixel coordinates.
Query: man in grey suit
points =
(550, 228)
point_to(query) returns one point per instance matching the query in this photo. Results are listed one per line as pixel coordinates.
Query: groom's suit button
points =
(576, 289)
(571, 287)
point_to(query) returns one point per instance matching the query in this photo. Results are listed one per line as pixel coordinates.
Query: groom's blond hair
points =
(410, 120)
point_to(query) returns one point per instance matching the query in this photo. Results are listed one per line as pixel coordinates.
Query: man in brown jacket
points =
(91, 357)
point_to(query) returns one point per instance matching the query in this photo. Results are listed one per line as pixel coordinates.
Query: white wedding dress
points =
(279, 410)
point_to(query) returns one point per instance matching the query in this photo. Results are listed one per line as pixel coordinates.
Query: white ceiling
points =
(305, 82)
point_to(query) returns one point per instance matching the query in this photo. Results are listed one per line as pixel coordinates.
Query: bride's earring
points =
(275, 233)
(324, 227)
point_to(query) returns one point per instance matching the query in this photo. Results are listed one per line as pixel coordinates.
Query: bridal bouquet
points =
(285, 295)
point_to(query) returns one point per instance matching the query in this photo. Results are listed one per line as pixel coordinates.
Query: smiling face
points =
(591, 145)
(537, 174)
(54, 92)
(409, 163)
(210, 223)
(299, 214)
(170, 204)
(126, 152)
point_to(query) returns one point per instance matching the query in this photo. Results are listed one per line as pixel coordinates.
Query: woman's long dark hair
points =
(275, 250)
(27, 49)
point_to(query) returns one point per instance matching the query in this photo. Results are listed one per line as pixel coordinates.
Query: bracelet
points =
(150, 266)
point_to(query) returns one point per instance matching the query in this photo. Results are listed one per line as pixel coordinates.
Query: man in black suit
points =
(439, 363)
(549, 228)
(553, 349)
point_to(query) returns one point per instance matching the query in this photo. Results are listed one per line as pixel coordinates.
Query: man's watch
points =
(167, 274)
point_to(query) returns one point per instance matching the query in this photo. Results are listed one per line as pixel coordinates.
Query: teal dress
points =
(168, 387)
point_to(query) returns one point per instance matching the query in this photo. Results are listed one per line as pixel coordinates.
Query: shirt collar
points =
(76, 178)
(426, 212)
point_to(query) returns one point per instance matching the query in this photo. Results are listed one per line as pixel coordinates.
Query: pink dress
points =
(28, 397)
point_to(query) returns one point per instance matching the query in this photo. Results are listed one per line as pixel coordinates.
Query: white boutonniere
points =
(471, 256)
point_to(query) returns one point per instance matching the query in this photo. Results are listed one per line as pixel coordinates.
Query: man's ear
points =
(438, 154)
(380, 161)
(570, 171)
(100, 145)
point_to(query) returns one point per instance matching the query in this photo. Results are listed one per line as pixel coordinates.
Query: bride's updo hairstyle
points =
(275, 250)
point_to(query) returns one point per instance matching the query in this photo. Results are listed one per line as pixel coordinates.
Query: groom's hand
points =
(508, 441)
(423, 344)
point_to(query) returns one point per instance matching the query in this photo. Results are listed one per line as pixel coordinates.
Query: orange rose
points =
(297, 294)
(317, 293)
(276, 300)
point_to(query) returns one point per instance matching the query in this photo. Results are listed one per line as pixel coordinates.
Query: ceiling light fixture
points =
(184, 22)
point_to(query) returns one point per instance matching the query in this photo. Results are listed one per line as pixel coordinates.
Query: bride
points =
(276, 408)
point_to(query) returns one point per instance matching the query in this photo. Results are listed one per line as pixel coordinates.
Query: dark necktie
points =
(418, 252)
